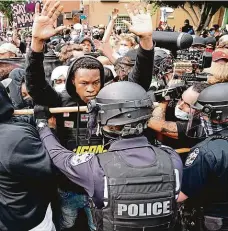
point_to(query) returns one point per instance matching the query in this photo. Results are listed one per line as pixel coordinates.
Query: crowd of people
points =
(149, 152)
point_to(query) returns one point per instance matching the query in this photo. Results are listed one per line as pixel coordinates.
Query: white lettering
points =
(121, 208)
(166, 207)
(149, 209)
(141, 210)
(177, 176)
(157, 208)
(133, 210)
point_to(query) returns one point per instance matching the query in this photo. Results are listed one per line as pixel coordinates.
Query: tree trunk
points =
(210, 15)
(194, 12)
(203, 16)
(190, 16)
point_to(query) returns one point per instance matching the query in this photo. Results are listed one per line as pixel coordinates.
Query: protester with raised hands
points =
(84, 80)
(141, 26)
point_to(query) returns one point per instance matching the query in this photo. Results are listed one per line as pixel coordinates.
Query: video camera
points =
(198, 58)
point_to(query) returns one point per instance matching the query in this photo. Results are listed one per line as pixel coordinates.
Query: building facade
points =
(99, 12)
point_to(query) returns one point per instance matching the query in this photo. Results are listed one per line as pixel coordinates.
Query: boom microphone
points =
(172, 40)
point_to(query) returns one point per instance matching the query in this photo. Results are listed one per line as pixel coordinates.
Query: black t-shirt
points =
(187, 28)
(22, 47)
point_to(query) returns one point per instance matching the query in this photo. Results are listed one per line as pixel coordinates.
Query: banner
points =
(23, 14)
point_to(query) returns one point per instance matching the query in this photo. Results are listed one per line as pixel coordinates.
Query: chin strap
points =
(128, 130)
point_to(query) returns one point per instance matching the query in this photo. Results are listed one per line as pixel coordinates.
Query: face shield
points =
(195, 127)
(206, 120)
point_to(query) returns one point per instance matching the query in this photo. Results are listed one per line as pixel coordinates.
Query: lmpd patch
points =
(80, 159)
(191, 157)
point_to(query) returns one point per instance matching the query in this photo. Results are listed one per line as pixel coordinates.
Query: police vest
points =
(139, 198)
(72, 133)
(213, 198)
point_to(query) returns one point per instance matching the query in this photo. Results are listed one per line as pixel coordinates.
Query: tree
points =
(200, 12)
(5, 8)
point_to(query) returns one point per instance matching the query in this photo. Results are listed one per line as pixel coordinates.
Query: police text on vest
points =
(146, 209)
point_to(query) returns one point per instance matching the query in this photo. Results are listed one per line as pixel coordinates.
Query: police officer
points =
(134, 184)
(84, 80)
(206, 168)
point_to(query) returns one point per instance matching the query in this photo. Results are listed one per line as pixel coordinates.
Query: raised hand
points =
(141, 20)
(43, 26)
(115, 14)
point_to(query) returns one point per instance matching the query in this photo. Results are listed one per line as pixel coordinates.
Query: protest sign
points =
(23, 14)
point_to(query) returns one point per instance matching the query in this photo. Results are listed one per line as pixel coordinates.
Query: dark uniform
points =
(71, 127)
(205, 174)
(134, 184)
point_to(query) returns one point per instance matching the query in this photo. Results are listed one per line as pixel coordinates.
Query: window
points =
(120, 23)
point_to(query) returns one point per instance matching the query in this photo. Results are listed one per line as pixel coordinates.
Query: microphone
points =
(172, 40)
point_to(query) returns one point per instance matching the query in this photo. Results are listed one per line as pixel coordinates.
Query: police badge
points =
(191, 157)
(80, 159)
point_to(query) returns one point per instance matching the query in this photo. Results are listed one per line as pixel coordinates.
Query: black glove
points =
(41, 115)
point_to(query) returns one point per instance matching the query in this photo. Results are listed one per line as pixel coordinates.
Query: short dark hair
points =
(86, 63)
(199, 86)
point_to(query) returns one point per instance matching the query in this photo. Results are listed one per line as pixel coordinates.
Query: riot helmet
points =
(211, 110)
(123, 104)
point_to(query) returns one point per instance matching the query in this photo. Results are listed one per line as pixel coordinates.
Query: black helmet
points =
(122, 103)
(197, 40)
(162, 61)
(213, 101)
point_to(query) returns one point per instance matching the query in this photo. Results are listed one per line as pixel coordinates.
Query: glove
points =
(41, 115)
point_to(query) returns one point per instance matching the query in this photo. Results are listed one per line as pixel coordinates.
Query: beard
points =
(219, 72)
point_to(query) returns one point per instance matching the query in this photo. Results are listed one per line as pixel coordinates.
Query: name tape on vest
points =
(139, 210)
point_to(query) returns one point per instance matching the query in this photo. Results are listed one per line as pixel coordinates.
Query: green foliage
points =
(201, 12)
(5, 8)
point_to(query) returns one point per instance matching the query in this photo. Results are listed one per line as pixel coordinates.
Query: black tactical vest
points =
(139, 198)
(213, 198)
(72, 133)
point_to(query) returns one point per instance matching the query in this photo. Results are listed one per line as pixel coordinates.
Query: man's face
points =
(124, 43)
(189, 97)
(87, 83)
(87, 47)
(198, 47)
(28, 39)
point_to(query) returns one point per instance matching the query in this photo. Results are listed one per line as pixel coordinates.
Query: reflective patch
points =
(191, 157)
(84, 117)
(69, 124)
(80, 159)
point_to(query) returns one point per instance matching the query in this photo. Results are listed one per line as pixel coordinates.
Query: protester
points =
(84, 81)
(25, 169)
(58, 78)
(176, 129)
(8, 50)
(187, 28)
(87, 45)
(17, 90)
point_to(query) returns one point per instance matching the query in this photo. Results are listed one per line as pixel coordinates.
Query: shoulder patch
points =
(80, 159)
(191, 157)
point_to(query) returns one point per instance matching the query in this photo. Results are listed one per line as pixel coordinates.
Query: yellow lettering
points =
(99, 148)
(78, 150)
(92, 149)
(84, 149)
